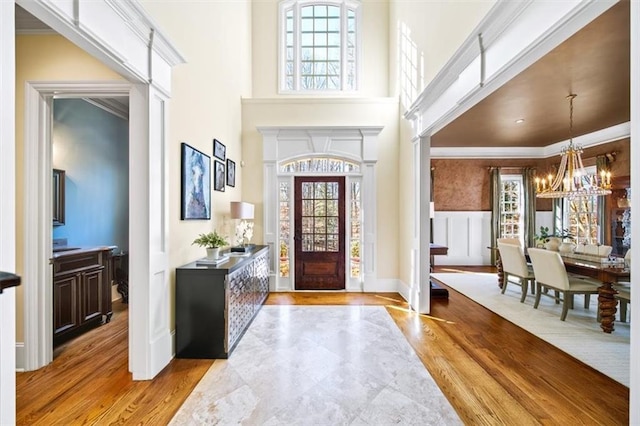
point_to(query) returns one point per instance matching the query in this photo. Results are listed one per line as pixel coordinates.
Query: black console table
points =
(216, 304)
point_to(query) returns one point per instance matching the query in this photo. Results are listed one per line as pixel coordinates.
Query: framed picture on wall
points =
(219, 176)
(231, 173)
(219, 150)
(195, 194)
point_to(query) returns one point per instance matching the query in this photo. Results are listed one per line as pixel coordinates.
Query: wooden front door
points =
(319, 233)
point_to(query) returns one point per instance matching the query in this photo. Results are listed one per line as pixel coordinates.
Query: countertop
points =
(63, 251)
(8, 279)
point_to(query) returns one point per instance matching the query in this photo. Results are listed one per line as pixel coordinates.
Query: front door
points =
(319, 233)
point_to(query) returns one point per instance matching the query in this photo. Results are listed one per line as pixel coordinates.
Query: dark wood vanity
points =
(81, 291)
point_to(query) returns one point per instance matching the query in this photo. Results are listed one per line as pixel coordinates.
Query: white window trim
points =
(282, 32)
(514, 177)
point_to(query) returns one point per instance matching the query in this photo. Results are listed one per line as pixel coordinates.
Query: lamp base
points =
(243, 248)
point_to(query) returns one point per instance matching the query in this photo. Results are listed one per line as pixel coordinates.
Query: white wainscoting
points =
(468, 234)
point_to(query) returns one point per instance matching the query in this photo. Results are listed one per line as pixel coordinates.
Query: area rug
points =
(580, 335)
(319, 365)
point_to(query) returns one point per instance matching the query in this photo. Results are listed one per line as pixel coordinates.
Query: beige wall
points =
(215, 40)
(339, 112)
(436, 28)
(375, 54)
(43, 58)
(463, 184)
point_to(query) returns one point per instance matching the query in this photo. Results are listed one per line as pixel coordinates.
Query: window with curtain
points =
(511, 207)
(319, 45)
(581, 215)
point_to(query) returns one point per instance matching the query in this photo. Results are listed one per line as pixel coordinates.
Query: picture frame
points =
(219, 150)
(195, 185)
(231, 173)
(219, 176)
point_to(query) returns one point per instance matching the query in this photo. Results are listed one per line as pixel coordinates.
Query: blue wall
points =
(92, 146)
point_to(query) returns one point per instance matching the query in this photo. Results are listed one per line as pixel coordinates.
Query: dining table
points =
(609, 273)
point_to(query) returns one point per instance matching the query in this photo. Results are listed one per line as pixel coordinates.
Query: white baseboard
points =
(381, 285)
(404, 290)
(20, 356)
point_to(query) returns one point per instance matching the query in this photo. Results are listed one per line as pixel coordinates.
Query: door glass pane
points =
(320, 208)
(321, 190)
(307, 190)
(332, 225)
(332, 208)
(320, 225)
(307, 207)
(307, 225)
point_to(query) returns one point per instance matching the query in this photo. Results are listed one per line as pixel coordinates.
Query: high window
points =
(581, 216)
(319, 45)
(511, 207)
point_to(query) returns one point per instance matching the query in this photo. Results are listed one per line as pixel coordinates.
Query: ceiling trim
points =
(499, 17)
(111, 105)
(610, 134)
(432, 111)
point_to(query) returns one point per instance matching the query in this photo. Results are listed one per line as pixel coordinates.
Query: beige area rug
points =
(319, 365)
(580, 335)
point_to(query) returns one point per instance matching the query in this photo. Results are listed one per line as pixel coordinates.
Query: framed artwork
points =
(195, 184)
(231, 173)
(219, 150)
(218, 177)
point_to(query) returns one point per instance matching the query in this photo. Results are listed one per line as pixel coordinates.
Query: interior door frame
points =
(38, 226)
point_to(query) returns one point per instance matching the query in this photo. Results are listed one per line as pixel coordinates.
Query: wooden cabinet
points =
(216, 304)
(81, 291)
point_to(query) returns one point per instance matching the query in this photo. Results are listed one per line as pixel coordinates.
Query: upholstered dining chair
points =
(550, 272)
(516, 270)
(624, 290)
(624, 297)
(513, 241)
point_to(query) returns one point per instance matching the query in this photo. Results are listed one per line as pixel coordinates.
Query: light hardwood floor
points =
(491, 371)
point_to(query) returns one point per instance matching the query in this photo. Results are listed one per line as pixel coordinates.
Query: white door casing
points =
(149, 336)
(358, 144)
(7, 213)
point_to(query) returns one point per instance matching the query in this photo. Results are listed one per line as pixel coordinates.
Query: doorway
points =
(319, 238)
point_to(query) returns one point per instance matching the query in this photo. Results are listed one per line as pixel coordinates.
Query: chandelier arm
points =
(557, 181)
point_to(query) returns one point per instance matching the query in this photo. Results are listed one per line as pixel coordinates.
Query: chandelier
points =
(571, 181)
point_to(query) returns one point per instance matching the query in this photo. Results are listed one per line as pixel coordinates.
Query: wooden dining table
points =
(607, 273)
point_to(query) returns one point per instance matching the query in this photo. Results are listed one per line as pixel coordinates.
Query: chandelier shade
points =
(571, 180)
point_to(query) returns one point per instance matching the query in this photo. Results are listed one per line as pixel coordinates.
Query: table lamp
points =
(244, 230)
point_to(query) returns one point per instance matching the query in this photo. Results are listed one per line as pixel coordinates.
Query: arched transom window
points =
(319, 45)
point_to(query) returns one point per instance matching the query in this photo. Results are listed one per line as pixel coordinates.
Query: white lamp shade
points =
(241, 210)
(432, 209)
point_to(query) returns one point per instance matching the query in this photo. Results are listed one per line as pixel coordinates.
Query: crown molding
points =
(600, 137)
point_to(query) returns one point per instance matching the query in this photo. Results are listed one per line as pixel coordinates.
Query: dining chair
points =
(550, 272)
(512, 241)
(516, 270)
(624, 297)
(624, 290)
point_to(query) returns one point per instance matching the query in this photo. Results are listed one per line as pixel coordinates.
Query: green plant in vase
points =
(212, 241)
